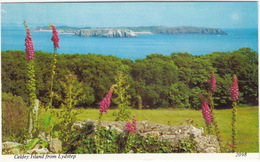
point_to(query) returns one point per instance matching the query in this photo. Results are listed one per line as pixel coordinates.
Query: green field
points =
(247, 122)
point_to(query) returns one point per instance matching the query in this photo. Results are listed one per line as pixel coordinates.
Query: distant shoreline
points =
(130, 32)
(143, 33)
(42, 30)
(137, 33)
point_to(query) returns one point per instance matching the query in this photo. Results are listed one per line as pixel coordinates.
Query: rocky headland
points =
(108, 33)
(131, 32)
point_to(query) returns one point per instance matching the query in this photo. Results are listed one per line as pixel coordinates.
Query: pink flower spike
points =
(212, 81)
(206, 111)
(105, 103)
(55, 36)
(29, 45)
(234, 92)
(129, 127)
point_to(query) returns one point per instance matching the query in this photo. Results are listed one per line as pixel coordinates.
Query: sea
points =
(12, 38)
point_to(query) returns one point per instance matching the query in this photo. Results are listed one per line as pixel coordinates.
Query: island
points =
(108, 33)
(131, 32)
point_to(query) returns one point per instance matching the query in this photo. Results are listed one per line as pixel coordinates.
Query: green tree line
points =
(160, 80)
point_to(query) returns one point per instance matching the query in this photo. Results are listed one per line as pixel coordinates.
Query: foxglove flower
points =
(234, 93)
(29, 45)
(129, 127)
(206, 111)
(55, 36)
(213, 82)
(105, 103)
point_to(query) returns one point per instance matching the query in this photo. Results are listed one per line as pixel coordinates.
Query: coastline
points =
(143, 33)
(60, 32)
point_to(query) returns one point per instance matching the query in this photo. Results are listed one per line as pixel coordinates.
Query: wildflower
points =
(29, 44)
(230, 145)
(234, 93)
(213, 82)
(129, 127)
(206, 111)
(55, 36)
(105, 103)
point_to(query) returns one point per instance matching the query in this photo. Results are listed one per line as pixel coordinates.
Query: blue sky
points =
(201, 14)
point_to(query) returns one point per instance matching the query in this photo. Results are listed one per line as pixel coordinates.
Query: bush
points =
(14, 117)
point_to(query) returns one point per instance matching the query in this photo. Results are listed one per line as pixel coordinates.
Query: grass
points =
(247, 122)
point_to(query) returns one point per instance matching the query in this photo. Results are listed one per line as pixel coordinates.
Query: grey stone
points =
(207, 144)
(10, 145)
(45, 136)
(16, 151)
(78, 125)
(55, 145)
(37, 146)
(174, 134)
(152, 133)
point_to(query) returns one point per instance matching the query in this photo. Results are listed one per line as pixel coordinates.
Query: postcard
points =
(129, 80)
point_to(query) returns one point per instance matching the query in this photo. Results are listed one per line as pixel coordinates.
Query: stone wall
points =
(174, 134)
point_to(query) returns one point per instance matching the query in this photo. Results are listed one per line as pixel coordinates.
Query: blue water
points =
(134, 48)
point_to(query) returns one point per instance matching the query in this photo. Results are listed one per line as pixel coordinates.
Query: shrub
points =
(72, 90)
(14, 117)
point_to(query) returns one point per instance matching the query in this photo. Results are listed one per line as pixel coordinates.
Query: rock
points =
(55, 145)
(152, 133)
(174, 134)
(15, 151)
(10, 145)
(78, 125)
(130, 152)
(106, 32)
(45, 136)
(38, 151)
(207, 144)
(37, 146)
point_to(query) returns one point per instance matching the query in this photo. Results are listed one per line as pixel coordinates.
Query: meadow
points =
(247, 122)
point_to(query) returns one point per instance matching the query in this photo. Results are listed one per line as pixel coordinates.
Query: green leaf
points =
(31, 144)
(44, 144)
(47, 120)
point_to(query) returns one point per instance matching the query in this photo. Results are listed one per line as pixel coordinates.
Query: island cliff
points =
(108, 33)
(130, 32)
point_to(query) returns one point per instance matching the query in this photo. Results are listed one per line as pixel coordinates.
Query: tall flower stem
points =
(55, 39)
(234, 94)
(234, 125)
(213, 118)
(98, 139)
(206, 114)
(32, 96)
(104, 105)
(31, 80)
(212, 89)
(52, 76)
